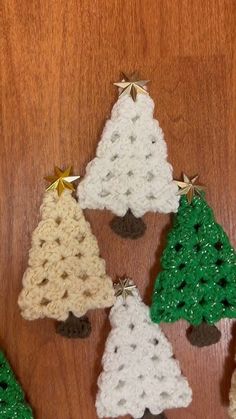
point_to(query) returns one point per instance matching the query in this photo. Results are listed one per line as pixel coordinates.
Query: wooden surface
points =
(58, 59)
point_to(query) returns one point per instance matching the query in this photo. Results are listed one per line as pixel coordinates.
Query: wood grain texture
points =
(58, 59)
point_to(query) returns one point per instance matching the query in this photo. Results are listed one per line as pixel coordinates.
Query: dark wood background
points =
(58, 61)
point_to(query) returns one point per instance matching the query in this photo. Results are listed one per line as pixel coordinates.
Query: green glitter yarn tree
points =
(198, 278)
(12, 403)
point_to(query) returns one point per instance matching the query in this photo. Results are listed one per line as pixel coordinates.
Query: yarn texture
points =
(198, 278)
(203, 335)
(12, 403)
(232, 397)
(139, 371)
(74, 327)
(130, 170)
(149, 415)
(65, 273)
(128, 226)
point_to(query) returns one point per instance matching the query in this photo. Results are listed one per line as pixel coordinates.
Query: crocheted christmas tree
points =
(140, 376)
(232, 397)
(198, 278)
(66, 277)
(130, 174)
(12, 403)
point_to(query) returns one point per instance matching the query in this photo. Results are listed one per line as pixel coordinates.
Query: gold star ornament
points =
(61, 180)
(124, 288)
(188, 187)
(131, 85)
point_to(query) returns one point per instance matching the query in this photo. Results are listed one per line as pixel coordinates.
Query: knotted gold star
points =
(131, 85)
(124, 288)
(61, 180)
(188, 187)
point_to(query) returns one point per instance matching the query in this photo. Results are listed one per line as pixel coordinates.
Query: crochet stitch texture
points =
(232, 397)
(198, 280)
(130, 170)
(65, 273)
(139, 370)
(12, 403)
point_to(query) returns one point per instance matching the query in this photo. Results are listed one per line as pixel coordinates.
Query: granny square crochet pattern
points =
(65, 273)
(139, 371)
(198, 278)
(130, 170)
(12, 403)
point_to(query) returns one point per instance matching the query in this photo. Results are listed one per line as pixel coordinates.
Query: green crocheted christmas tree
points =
(12, 403)
(198, 278)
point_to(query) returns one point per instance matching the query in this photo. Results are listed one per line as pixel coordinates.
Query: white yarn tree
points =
(130, 174)
(140, 376)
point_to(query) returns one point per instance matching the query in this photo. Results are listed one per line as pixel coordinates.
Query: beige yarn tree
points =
(66, 276)
(232, 397)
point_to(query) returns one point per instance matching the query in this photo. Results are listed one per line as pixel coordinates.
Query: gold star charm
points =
(61, 180)
(188, 187)
(124, 288)
(131, 85)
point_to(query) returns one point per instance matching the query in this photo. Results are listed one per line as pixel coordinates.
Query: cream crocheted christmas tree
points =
(232, 397)
(130, 174)
(66, 277)
(140, 376)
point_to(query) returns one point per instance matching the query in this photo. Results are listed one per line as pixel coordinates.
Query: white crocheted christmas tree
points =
(66, 277)
(140, 376)
(130, 173)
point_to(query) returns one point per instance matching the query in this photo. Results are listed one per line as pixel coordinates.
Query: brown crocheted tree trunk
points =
(203, 335)
(128, 226)
(74, 327)
(149, 415)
